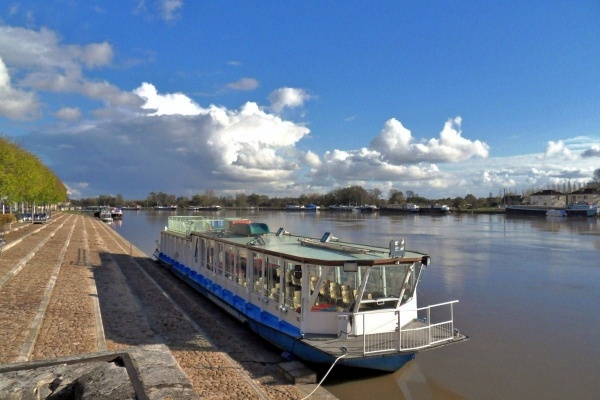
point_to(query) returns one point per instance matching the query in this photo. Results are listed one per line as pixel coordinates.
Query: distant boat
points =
(581, 209)
(367, 208)
(311, 207)
(116, 213)
(556, 213)
(435, 209)
(204, 208)
(400, 208)
(165, 208)
(137, 208)
(341, 207)
(294, 207)
(106, 215)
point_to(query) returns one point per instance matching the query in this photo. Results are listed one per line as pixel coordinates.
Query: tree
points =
(396, 197)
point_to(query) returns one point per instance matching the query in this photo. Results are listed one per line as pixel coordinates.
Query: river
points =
(529, 293)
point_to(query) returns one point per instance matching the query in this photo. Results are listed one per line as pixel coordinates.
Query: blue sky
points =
(284, 98)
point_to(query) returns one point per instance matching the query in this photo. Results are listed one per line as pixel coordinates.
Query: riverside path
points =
(75, 287)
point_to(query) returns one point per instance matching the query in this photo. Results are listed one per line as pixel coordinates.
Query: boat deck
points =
(415, 336)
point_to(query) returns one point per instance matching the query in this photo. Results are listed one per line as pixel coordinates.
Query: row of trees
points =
(353, 195)
(25, 180)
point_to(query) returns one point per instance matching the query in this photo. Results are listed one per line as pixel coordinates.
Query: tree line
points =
(25, 181)
(353, 195)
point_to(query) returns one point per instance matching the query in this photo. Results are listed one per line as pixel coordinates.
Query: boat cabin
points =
(299, 285)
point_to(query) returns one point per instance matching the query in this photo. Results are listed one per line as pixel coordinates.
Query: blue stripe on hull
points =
(280, 333)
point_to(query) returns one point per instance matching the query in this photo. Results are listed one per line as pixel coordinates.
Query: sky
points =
(440, 98)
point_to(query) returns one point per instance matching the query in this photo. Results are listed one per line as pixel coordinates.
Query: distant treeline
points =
(353, 195)
(25, 180)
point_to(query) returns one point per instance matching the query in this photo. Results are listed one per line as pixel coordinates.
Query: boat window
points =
(260, 284)
(229, 262)
(336, 290)
(210, 255)
(273, 274)
(385, 285)
(410, 283)
(292, 292)
(242, 265)
(196, 245)
(221, 258)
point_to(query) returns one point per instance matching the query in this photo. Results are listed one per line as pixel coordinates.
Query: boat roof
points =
(256, 236)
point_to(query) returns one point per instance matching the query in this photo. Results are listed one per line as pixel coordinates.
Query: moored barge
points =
(323, 300)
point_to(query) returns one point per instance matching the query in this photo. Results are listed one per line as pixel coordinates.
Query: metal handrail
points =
(415, 338)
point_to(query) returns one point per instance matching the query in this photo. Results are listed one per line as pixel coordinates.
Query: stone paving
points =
(75, 287)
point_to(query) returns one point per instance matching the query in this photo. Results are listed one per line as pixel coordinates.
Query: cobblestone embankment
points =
(74, 287)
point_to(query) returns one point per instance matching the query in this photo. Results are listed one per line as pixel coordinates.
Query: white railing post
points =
(399, 332)
(429, 325)
(364, 335)
(452, 319)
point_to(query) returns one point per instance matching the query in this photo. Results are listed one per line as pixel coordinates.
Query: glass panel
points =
(229, 262)
(260, 284)
(411, 284)
(288, 287)
(383, 287)
(210, 255)
(242, 265)
(221, 258)
(273, 275)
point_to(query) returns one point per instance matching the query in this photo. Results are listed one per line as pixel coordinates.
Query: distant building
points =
(548, 198)
(590, 195)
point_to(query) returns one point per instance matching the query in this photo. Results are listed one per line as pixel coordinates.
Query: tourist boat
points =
(205, 208)
(581, 209)
(105, 215)
(342, 207)
(311, 207)
(400, 208)
(320, 300)
(367, 208)
(435, 209)
(165, 208)
(293, 207)
(116, 213)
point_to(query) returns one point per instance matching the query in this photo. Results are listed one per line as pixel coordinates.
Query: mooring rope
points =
(322, 380)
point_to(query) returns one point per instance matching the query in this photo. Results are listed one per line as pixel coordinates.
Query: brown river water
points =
(529, 291)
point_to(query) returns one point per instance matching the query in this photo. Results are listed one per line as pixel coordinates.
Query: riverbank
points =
(74, 289)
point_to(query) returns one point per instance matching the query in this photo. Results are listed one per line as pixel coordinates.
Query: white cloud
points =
(169, 9)
(169, 104)
(95, 54)
(14, 103)
(558, 150)
(396, 144)
(42, 63)
(69, 114)
(287, 98)
(244, 84)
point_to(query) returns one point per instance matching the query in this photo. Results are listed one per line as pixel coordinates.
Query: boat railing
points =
(421, 333)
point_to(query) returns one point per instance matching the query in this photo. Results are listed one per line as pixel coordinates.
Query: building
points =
(548, 198)
(590, 195)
